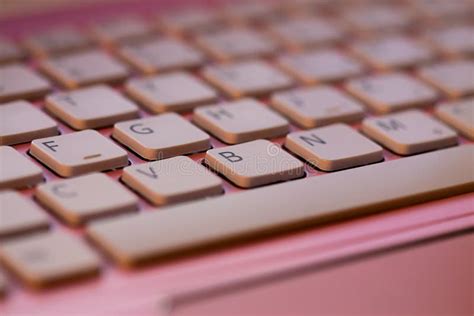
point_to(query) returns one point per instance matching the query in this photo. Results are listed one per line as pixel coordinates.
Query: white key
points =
(393, 51)
(84, 68)
(178, 91)
(21, 122)
(409, 132)
(298, 33)
(121, 30)
(236, 43)
(454, 78)
(458, 114)
(91, 107)
(324, 65)
(172, 180)
(19, 215)
(78, 153)
(248, 78)
(19, 82)
(240, 121)
(161, 136)
(317, 106)
(391, 92)
(59, 40)
(84, 198)
(161, 54)
(334, 147)
(454, 40)
(254, 163)
(17, 171)
(9, 51)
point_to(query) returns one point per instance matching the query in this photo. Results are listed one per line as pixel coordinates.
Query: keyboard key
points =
(370, 18)
(78, 153)
(392, 52)
(9, 52)
(84, 68)
(172, 180)
(59, 40)
(243, 12)
(441, 9)
(301, 33)
(81, 199)
(161, 136)
(458, 114)
(309, 201)
(236, 43)
(20, 215)
(240, 121)
(161, 54)
(123, 29)
(321, 66)
(317, 106)
(91, 107)
(247, 78)
(47, 259)
(391, 92)
(191, 20)
(21, 122)
(19, 82)
(17, 171)
(177, 91)
(455, 78)
(334, 147)
(409, 132)
(255, 163)
(454, 40)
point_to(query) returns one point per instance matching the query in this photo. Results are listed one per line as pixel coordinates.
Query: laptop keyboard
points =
(261, 116)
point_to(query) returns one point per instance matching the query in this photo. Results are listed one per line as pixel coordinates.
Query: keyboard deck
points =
(128, 114)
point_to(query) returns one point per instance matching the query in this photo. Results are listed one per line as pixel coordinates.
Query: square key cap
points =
(391, 92)
(409, 132)
(19, 215)
(247, 78)
(81, 199)
(161, 136)
(459, 115)
(306, 32)
(240, 121)
(190, 20)
(374, 17)
(176, 179)
(161, 54)
(59, 40)
(78, 153)
(178, 91)
(254, 163)
(84, 68)
(454, 40)
(236, 43)
(324, 65)
(21, 122)
(91, 107)
(19, 82)
(334, 147)
(454, 78)
(393, 51)
(9, 51)
(123, 29)
(17, 171)
(50, 258)
(317, 106)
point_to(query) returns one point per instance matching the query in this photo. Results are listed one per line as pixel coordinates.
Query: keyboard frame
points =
(147, 290)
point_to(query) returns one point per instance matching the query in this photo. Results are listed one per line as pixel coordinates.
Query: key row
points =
(50, 258)
(245, 122)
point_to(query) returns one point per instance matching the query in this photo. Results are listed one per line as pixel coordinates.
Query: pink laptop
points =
(236, 157)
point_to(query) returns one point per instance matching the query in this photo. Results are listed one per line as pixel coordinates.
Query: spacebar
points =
(136, 238)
